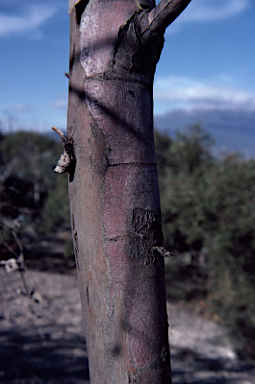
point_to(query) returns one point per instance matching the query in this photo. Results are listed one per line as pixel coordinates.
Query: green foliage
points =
(32, 197)
(55, 212)
(30, 157)
(190, 150)
(208, 210)
(208, 214)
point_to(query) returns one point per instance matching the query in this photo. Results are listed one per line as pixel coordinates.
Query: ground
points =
(41, 339)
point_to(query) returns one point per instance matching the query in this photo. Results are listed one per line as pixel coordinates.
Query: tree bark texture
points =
(113, 187)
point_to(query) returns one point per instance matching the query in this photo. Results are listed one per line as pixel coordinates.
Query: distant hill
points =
(234, 130)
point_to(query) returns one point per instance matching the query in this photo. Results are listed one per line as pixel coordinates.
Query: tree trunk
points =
(113, 187)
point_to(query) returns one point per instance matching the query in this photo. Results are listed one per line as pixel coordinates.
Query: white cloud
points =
(207, 10)
(201, 11)
(61, 103)
(30, 21)
(179, 92)
(22, 107)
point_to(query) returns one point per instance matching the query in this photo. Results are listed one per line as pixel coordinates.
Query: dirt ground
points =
(41, 339)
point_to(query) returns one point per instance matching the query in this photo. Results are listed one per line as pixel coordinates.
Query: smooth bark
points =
(113, 187)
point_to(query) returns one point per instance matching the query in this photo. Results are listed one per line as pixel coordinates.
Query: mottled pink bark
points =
(113, 187)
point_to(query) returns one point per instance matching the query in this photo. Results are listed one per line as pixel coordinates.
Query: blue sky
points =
(208, 61)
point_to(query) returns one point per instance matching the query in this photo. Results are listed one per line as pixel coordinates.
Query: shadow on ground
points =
(189, 367)
(39, 359)
(41, 338)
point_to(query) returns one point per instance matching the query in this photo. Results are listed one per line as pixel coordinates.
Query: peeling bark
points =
(113, 189)
(67, 160)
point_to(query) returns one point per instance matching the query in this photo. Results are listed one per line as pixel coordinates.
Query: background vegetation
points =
(208, 211)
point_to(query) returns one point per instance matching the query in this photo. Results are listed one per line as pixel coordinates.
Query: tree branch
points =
(72, 4)
(163, 15)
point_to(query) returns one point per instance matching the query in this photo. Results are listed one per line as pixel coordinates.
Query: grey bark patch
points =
(127, 46)
(99, 157)
(144, 234)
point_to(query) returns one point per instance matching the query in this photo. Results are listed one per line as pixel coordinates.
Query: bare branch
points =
(64, 161)
(58, 131)
(67, 159)
(164, 14)
(20, 258)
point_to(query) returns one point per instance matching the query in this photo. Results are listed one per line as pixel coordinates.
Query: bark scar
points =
(76, 243)
(100, 151)
(145, 236)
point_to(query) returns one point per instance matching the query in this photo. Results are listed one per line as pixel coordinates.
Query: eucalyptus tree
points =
(113, 185)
